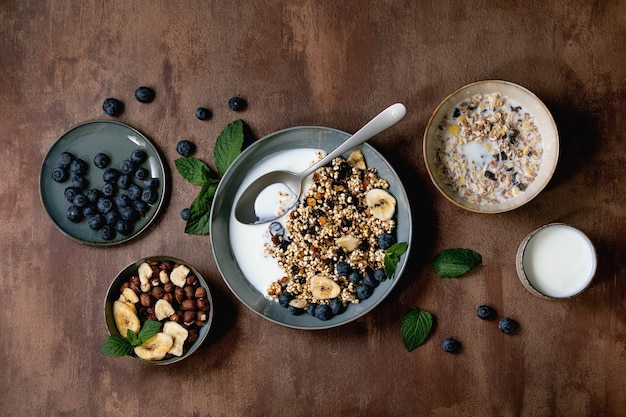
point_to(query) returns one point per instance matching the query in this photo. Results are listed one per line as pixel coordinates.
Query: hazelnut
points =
(145, 299)
(189, 317)
(124, 286)
(200, 292)
(175, 317)
(134, 287)
(158, 292)
(202, 316)
(135, 280)
(189, 291)
(179, 294)
(192, 336)
(166, 266)
(155, 282)
(191, 279)
(169, 297)
(168, 286)
(199, 323)
(189, 304)
(202, 303)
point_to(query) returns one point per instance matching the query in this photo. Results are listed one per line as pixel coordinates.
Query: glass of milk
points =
(556, 261)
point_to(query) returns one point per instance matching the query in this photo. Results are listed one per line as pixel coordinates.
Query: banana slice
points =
(179, 334)
(179, 275)
(356, 159)
(125, 318)
(324, 288)
(155, 348)
(163, 309)
(298, 303)
(163, 277)
(145, 273)
(130, 296)
(348, 242)
(381, 203)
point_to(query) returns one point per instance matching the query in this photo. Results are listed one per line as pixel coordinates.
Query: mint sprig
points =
(392, 257)
(452, 263)
(227, 147)
(416, 327)
(116, 345)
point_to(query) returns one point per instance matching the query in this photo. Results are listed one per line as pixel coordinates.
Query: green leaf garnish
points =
(452, 263)
(193, 170)
(149, 329)
(228, 145)
(200, 211)
(116, 345)
(416, 327)
(392, 257)
(132, 338)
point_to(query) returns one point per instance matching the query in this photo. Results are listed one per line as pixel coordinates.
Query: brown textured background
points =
(315, 63)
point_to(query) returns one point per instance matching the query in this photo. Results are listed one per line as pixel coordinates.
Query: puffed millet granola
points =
(488, 149)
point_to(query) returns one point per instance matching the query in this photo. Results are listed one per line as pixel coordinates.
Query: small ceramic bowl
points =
(123, 279)
(495, 149)
(556, 261)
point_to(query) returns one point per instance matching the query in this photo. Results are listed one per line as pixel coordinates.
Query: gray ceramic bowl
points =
(125, 274)
(296, 138)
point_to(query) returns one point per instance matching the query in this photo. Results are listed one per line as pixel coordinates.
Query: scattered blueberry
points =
(109, 189)
(324, 312)
(486, 313)
(79, 182)
(89, 209)
(123, 227)
(379, 274)
(104, 205)
(106, 232)
(122, 200)
(129, 214)
(354, 277)
(336, 306)
(236, 104)
(276, 229)
(65, 159)
(134, 192)
(70, 193)
(507, 325)
(79, 167)
(144, 94)
(185, 148)
(364, 291)
(284, 299)
(101, 160)
(110, 175)
(113, 107)
(141, 207)
(203, 113)
(93, 195)
(124, 181)
(386, 240)
(149, 196)
(80, 200)
(74, 213)
(371, 280)
(138, 156)
(127, 166)
(95, 221)
(59, 174)
(151, 183)
(451, 345)
(112, 217)
(185, 213)
(343, 268)
(142, 174)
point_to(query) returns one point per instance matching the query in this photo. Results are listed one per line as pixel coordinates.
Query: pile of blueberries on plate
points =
(119, 203)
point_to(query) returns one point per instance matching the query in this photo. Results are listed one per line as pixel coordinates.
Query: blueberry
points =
(142, 174)
(364, 291)
(127, 166)
(79, 167)
(65, 159)
(104, 205)
(70, 193)
(74, 213)
(451, 345)
(123, 227)
(80, 200)
(113, 107)
(89, 210)
(95, 221)
(112, 217)
(59, 174)
(507, 325)
(371, 280)
(236, 104)
(379, 274)
(144, 94)
(343, 268)
(486, 312)
(141, 207)
(138, 156)
(295, 310)
(386, 240)
(284, 299)
(129, 214)
(311, 309)
(354, 277)
(324, 312)
(123, 182)
(203, 113)
(134, 192)
(110, 175)
(276, 229)
(151, 183)
(185, 213)
(122, 200)
(79, 182)
(101, 160)
(106, 232)
(185, 148)
(109, 189)
(336, 306)
(149, 196)
(93, 195)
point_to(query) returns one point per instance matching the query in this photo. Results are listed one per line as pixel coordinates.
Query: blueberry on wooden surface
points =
(486, 312)
(113, 107)
(101, 160)
(59, 174)
(185, 213)
(507, 325)
(203, 113)
(144, 94)
(236, 103)
(451, 345)
(185, 148)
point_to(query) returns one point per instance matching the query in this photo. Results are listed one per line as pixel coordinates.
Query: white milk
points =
(559, 261)
(248, 241)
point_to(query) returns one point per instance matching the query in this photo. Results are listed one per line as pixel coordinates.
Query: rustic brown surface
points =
(316, 63)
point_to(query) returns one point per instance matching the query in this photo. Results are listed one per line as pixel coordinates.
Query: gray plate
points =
(84, 141)
(295, 138)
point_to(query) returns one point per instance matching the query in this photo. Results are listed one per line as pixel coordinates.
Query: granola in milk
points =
(488, 149)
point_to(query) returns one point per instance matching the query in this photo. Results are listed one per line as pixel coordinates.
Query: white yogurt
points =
(559, 261)
(248, 241)
(273, 201)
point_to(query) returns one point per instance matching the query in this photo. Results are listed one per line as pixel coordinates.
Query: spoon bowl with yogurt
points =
(282, 189)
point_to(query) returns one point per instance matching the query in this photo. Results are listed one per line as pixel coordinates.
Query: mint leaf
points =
(132, 338)
(452, 263)
(392, 257)
(193, 170)
(228, 145)
(416, 327)
(200, 211)
(116, 346)
(149, 329)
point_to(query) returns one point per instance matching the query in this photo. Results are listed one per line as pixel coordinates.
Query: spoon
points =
(245, 209)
